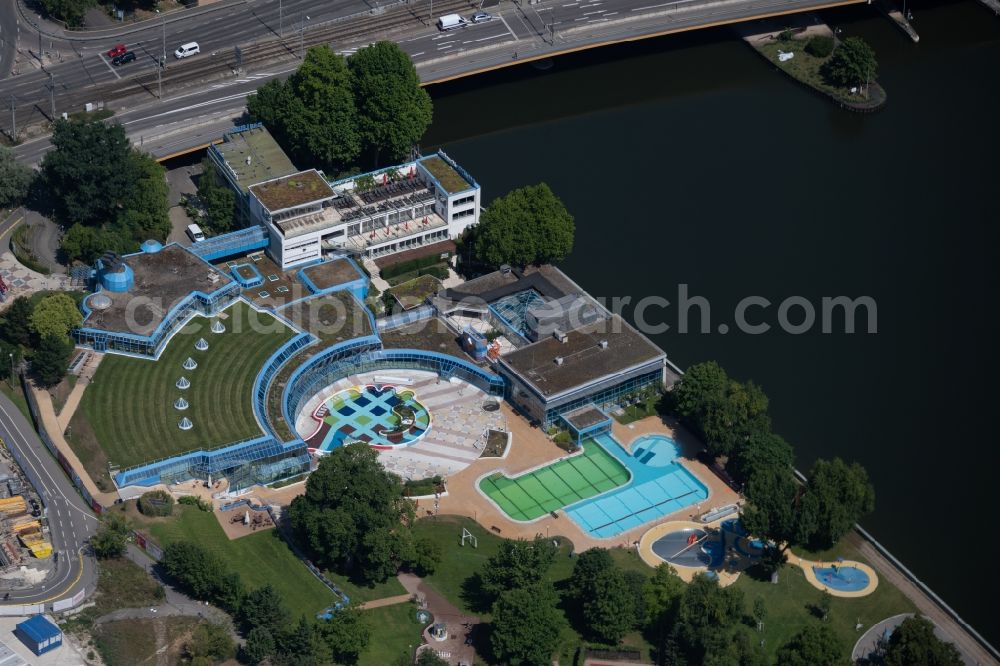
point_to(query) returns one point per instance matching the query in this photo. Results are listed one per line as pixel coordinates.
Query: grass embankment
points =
(260, 558)
(16, 395)
(806, 68)
(790, 603)
(395, 632)
(127, 414)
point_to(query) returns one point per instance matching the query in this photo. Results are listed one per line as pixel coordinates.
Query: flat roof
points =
(293, 190)
(38, 628)
(585, 417)
(451, 180)
(584, 360)
(267, 159)
(163, 279)
(331, 273)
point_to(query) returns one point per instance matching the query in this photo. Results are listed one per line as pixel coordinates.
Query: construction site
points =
(24, 544)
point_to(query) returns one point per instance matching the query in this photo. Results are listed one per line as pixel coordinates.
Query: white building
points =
(392, 210)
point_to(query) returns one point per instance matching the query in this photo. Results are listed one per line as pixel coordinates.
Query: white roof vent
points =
(603, 344)
(559, 360)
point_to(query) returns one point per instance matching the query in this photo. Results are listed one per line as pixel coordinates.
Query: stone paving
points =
(23, 281)
(458, 422)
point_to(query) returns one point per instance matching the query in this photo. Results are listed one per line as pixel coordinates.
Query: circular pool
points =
(689, 547)
(655, 450)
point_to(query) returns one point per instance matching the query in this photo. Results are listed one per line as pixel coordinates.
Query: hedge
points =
(156, 503)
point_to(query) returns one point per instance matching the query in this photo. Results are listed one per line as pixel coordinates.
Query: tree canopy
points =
(51, 359)
(15, 178)
(517, 564)
(55, 315)
(393, 110)
(529, 225)
(219, 200)
(913, 643)
(852, 64)
(111, 537)
(837, 496)
(526, 626)
(603, 596)
(70, 11)
(353, 515)
(813, 645)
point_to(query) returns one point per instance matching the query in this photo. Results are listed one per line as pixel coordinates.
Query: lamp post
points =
(281, 27)
(302, 35)
(11, 382)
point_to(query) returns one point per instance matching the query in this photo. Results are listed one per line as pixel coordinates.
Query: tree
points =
(111, 538)
(15, 327)
(87, 171)
(517, 564)
(15, 178)
(820, 46)
(852, 64)
(707, 617)
(762, 450)
(825, 602)
(426, 556)
(218, 199)
(393, 110)
(599, 590)
(353, 515)
(526, 626)
(913, 643)
(211, 641)
(10, 356)
(813, 645)
(70, 11)
(347, 634)
(836, 497)
(197, 571)
(759, 611)
(259, 645)
(144, 211)
(313, 115)
(51, 360)
(662, 593)
(770, 512)
(55, 315)
(263, 608)
(86, 244)
(529, 225)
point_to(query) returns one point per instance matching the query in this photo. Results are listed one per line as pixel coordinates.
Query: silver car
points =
(482, 17)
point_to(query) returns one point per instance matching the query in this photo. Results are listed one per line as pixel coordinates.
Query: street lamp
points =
(302, 34)
(11, 382)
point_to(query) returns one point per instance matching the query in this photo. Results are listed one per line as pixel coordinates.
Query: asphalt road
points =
(70, 520)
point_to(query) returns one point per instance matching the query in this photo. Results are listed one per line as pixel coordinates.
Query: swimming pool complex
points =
(604, 490)
(379, 415)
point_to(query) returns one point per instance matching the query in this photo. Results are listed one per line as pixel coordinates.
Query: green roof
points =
(450, 180)
(293, 190)
(267, 159)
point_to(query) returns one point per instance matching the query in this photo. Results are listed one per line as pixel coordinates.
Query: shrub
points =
(820, 46)
(192, 500)
(786, 35)
(156, 503)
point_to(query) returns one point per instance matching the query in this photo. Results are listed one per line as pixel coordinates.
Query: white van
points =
(185, 50)
(451, 21)
(194, 233)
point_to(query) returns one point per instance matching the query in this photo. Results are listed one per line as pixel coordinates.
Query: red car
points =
(118, 50)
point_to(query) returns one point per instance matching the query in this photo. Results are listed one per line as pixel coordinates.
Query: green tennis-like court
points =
(554, 486)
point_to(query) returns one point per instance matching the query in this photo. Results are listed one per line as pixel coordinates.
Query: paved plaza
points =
(458, 428)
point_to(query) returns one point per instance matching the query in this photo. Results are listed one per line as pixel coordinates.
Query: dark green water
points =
(689, 160)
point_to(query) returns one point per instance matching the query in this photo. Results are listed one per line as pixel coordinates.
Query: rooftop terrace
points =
(553, 367)
(331, 273)
(162, 279)
(297, 189)
(266, 158)
(450, 180)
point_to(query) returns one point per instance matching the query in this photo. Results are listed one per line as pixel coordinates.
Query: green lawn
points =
(789, 604)
(128, 409)
(260, 558)
(358, 593)
(395, 632)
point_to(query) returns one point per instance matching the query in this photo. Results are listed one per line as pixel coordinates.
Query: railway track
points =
(347, 32)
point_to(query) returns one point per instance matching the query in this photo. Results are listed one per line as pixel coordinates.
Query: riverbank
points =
(784, 44)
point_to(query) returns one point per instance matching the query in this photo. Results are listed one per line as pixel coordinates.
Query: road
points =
(196, 113)
(70, 520)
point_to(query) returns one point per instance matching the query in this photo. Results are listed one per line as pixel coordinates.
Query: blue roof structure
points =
(38, 629)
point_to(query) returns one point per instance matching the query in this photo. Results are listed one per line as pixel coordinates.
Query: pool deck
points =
(530, 448)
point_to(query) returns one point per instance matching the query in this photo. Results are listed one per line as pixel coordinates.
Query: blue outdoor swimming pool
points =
(659, 486)
(843, 579)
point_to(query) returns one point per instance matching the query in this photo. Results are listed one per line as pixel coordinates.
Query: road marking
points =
(665, 4)
(414, 55)
(572, 4)
(596, 11)
(611, 13)
(486, 39)
(507, 25)
(105, 61)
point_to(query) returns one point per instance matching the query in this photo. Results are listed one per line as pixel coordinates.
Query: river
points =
(689, 160)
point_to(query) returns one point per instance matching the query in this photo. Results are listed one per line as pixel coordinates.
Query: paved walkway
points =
(458, 623)
(385, 601)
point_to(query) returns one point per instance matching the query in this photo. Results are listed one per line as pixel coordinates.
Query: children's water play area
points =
(373, 414)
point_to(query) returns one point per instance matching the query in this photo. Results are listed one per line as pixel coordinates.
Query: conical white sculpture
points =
(182, 383)
(201, 345)
(190, 364)
(218, 327)
(180, 403)
(185, 424)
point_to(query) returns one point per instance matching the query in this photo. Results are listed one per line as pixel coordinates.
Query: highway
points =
(203, 96)
(70, 520)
